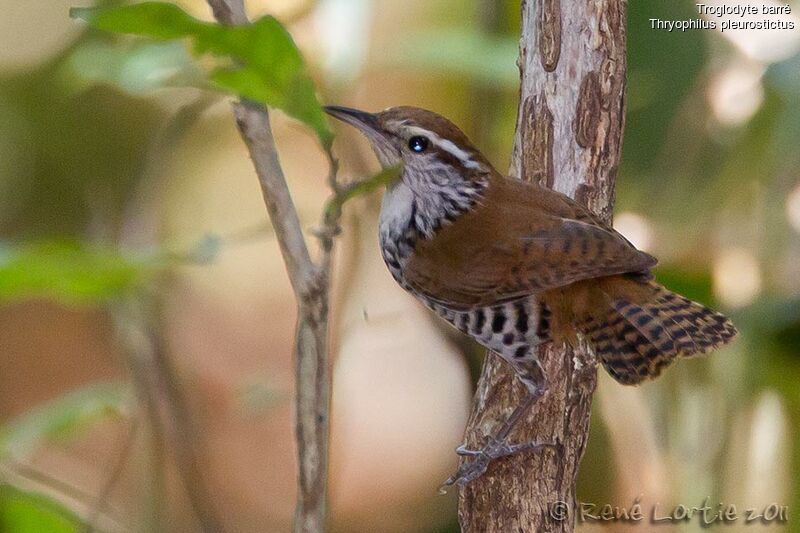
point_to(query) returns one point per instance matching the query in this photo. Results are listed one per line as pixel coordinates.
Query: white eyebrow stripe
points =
(446, 145)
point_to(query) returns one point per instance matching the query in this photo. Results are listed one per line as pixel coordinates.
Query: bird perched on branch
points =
(513, 265)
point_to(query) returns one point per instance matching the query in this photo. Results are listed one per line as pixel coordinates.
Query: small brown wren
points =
(514, 265)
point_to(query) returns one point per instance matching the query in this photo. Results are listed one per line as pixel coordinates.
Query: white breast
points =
(396, 211)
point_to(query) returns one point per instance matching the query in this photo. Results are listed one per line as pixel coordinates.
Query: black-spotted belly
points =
(510, 329)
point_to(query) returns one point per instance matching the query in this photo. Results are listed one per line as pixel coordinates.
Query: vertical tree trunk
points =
(569, 133)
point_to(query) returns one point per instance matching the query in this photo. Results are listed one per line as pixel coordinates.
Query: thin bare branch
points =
(158, 386)
(228, 11)
(311, 287)
(101, 501)
(191, 465)
(311, 284)
(138, 331)
(28, 477)
(332, 212)
(357, 188)
(254, 125)
(147, 399)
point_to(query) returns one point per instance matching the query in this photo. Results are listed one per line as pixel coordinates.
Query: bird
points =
(515, 265)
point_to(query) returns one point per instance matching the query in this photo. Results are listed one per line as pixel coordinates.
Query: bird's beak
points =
(366, 123)
(360, 119)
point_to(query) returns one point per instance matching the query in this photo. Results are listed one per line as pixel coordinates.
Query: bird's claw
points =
(480, 459)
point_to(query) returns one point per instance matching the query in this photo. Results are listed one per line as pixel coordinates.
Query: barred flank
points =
(637, 337)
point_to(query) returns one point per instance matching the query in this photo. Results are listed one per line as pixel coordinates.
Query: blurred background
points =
(134, 244)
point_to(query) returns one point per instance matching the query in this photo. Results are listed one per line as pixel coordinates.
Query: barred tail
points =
(641, 327)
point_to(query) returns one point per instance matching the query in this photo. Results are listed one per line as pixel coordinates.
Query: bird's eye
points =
(418, 144)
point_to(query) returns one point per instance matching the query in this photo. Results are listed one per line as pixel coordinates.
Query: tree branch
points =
(253, 122)
(117, 469)
(311, 284)
(228, 11)
(138, 329)
(29, 478)
(569, 132)
(158, 385)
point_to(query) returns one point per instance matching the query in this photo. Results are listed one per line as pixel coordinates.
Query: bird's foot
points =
(480, 459)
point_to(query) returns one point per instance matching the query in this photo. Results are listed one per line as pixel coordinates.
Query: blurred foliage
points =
(70, 162)
(485, 59)
(137, 67)
(71, 272)
(26, 512)
(695, 285)
(663, 68)
(63, 417)
(265, 64)
(79, 273)
(66, 416)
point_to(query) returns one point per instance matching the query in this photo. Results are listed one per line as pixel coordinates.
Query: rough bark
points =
(569, 134)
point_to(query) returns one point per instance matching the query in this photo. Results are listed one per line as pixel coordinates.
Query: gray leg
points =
(530, 373)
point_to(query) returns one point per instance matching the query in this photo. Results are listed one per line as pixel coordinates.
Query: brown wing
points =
(530, 240)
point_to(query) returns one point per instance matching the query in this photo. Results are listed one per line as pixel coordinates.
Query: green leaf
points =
(263, 62)
(69, 271)
(151, 19)
(27, 512)
(62, 417)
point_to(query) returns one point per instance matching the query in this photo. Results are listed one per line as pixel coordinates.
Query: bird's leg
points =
(530, 373)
